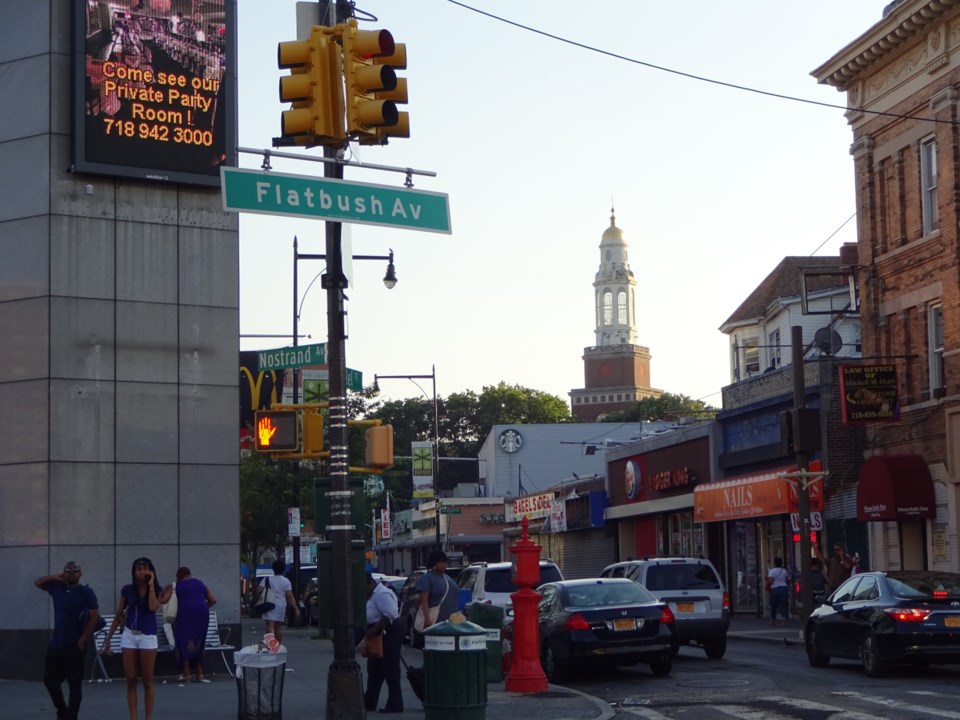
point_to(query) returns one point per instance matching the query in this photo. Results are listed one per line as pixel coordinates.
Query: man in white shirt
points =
(383, 616)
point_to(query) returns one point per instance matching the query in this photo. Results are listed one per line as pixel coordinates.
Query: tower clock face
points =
(604, 369)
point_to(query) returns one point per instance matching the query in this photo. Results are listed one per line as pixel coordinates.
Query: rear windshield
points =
(500, 580)
(681, 576)
(924, 584)
(607, 594)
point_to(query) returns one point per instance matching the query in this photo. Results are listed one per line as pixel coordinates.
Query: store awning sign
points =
(755, 495)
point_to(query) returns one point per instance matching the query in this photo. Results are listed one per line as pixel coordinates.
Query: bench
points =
(216, 641)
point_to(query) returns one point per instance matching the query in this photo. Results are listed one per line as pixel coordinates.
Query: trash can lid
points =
(450, 628)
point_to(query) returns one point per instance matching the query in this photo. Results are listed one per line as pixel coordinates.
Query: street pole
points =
(344, 684)
(295, 464)
(436, 451)
(436, 438)
(802, 458)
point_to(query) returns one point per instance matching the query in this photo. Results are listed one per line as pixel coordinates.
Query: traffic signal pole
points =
(344, 683)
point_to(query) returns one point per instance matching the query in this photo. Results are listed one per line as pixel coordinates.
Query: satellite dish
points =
(828, 341)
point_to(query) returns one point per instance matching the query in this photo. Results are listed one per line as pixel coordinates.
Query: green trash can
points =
(490, 617)
(454, 670)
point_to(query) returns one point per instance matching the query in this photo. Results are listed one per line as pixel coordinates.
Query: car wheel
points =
(715, 647)
(552, 668)
(873, 664)
(815, 654)
(663, 666)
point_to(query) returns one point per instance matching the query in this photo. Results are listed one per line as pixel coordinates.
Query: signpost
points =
(270, 193)
(292, 357)
(449, 511)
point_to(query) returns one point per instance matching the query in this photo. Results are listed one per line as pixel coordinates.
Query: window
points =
(928, 185)
(621, 308)
(935, 346)
(773, 340)
(751, 356)
(607, 308)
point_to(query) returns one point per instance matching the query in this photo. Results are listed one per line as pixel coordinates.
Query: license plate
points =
(624, 624)
(952, 621)
(684, 607)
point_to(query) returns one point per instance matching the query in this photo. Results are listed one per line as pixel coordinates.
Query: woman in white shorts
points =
(137, 610)
(283, 596)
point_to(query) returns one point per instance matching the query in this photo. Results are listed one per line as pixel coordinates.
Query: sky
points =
(534, 139)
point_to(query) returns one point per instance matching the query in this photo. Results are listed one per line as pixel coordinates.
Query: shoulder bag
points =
(266, 599)
(433, 612)
(170, 609)
(372, 646)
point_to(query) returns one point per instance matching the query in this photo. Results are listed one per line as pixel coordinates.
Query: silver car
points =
(693, 590)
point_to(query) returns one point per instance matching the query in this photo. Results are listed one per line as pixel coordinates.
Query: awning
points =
(754, 495)
(893, 487)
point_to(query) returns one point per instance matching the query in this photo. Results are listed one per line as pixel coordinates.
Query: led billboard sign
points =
(155, 89)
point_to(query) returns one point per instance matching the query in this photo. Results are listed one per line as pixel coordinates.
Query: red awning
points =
(893, 487)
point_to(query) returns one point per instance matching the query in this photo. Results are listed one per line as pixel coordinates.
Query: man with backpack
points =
(76, 616)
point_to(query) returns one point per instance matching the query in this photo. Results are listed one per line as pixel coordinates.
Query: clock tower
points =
(616, 370)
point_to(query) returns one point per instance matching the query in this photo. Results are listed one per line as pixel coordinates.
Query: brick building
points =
(901, 78)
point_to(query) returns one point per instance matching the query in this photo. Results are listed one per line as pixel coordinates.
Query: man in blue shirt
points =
(75, 616)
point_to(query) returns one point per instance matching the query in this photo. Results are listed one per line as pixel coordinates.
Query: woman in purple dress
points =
(194, 601)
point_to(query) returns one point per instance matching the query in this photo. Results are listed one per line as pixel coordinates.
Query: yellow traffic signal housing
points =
(314, 88)
(276, 431)
(398, 95)
(312, 433)
(379, 450)
(364, 79)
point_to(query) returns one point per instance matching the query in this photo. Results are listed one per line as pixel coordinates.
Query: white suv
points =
(694, 591)
(492, 583)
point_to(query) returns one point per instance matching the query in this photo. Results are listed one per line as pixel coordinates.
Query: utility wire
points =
(691, 76)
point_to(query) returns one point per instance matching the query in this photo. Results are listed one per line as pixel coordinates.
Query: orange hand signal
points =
(265, 430)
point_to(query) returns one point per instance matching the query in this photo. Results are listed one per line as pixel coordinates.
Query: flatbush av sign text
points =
(270, 193)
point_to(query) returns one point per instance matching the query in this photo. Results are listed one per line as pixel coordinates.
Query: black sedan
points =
(612, 621)
(885, 618)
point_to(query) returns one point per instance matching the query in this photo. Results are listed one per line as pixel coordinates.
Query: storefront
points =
(895, 495)
(652, 483)
(759, 518)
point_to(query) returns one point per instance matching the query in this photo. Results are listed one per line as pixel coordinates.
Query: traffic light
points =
(314, 87)
(366, 80)
(379, 450)
(380, 134)
(276, 431)
(312, 433)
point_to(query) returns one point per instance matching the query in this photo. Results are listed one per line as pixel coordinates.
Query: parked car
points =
(492, 583)
(598, 622)
(694, 591)
(887, 618)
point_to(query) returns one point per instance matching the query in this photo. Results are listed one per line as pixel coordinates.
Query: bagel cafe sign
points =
(533, 506)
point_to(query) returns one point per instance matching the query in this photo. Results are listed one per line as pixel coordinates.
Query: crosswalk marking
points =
(898, 705)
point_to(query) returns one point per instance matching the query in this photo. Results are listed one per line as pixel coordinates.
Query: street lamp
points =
(436, 430)
(390, 281)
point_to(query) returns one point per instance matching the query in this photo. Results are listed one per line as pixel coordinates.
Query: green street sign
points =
(291, 357)
(354, 380)
(270, 193)
(449, 511)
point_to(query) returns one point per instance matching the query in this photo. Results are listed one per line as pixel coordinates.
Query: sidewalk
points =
(305, 683)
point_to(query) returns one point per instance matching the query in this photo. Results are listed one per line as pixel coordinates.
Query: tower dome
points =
(612, 235)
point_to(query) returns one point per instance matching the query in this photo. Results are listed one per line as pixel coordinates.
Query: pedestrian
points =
(778, 584)
(283, 594)
(75, 617)
(818, 581)
(437, 590)
(137, 611)
(194, 600)
(838, 567)
(383, 617)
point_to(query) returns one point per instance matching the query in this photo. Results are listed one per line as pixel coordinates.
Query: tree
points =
(667, 407)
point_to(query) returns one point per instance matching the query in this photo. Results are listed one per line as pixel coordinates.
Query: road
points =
(762, 681)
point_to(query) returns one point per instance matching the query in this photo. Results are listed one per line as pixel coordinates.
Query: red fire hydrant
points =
(526, 675)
